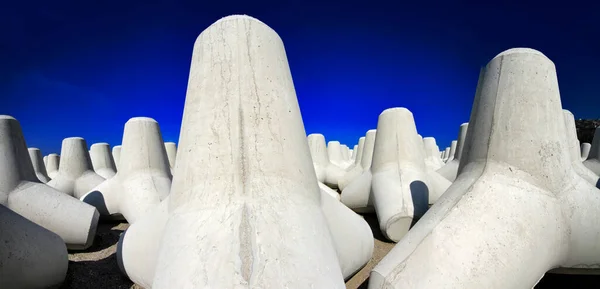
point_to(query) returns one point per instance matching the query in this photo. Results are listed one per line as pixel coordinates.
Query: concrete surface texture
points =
(52, 165)
(102, 160)
(233, 201)
(585, 150)
(516, 195)
(400, 186)
(432, 154)
(31, 257)
(116, 153)
(356, 194)
(329, 191)
(76, 175)
(171, 149)
(21, 191)
(593, 160)
(38, 165)
(335, 151)
(353, 152)
(574, 150)
(450, 170)
(144, 178)
(326, 172)
(45, 158)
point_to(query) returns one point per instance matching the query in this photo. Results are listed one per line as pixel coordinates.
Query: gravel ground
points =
(96, 267)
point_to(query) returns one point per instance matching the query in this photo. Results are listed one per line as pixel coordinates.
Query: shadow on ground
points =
(97, 266)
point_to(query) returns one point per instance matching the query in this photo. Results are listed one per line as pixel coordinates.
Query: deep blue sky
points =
(83, 68)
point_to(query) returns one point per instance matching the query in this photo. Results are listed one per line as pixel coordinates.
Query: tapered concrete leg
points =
(75, 175)
(45, 159)
(593, 160)
(585, 150)
(52, 165)
(446, 154)
(400, 186)
(137, 250)
(144, 178)
(171, 149)
(432, 154)
(336, 155)
(38, 165)
(352, 236)
(366, 155)
(511, 215)
(235, 197)
(357, 195)
(20, 191)
(31, 257)
(102, 160)
(452, 150)
(116, 153)
(326, 172)
(450, 170)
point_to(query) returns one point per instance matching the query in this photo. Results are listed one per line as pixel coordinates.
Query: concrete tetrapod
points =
(356, 194)
(38, 165)
(446, 154)
(432, 154)
(585, 150)
(400, 186)
(327, 172)
(245, 178)
(517, 208)
(450, 170)
(355, 169)
(116, 153)
(21, 191)
(144, 179)
(452, 151)
(102, 160)
(336, 155)
(171, 149)
(353, 152)
(573, 145)
(31, 257)
(52, 165)
(45, 160)
(593, 160)
(76, 175)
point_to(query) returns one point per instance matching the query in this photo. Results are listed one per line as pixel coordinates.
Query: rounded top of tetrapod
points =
(99, 144)
(4, 116)
(73, 138)
(141, 118)
(33, 149)
(519, 50)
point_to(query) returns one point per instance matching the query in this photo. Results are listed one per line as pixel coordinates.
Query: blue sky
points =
(83, 68)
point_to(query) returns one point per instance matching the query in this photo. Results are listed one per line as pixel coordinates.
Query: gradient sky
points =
(83, 68)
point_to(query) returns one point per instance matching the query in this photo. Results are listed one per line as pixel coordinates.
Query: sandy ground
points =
(96, 268)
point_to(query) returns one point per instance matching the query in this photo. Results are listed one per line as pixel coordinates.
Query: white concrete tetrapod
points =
(400, 186)
(45, 160)
(116, 153)
(574, 150)
(144, 178)
(450, 169)
(353, 152)
(171, 149)
(52, 165)
(327, 172)
(593, 160)
(452, 151)
(351, 234)
(76, 175)
(336, 155)
(585, 150)
(446, 154)
(432, 154)
(345, 153)
(325, 189)
(31, 257)
(359, 150)
(102, 160)
(244, 175)
(355, 169)
(21, 191)
(517, 208)
(38, 165)
(356, 192)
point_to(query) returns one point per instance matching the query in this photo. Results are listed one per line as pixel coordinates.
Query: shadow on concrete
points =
(103, 273)
(106, 236)
(374, 224)
(420, 197)
(561, 281)
(598, 184)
